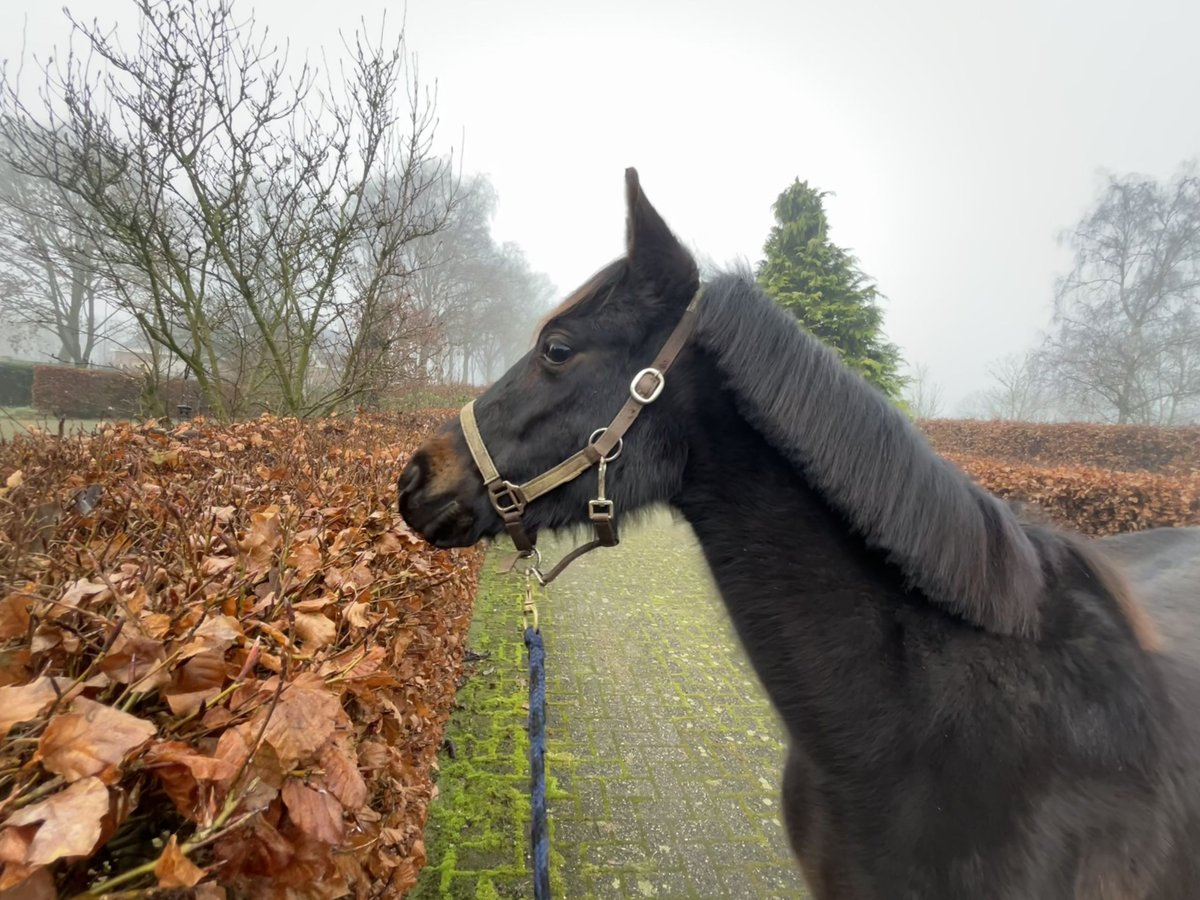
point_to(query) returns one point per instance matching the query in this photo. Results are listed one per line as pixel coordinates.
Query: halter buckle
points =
(600, 510)
(507, 498)
(660, 383)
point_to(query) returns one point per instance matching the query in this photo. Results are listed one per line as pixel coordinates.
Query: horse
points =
(976, 705)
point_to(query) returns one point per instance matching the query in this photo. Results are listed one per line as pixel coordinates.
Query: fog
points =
(958, 141)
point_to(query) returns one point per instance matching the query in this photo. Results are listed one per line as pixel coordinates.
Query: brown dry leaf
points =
(14, 615)
(317, 813)
(263, 539)
(14, 665)
(91, 740)
(372, 755)
(222, 514)
(265, 772)
(25, 883)
(360, 576)
(168, 458)
(133, 658)
(83, 589)
(257, 849)
(303, 721)
(330, 510)
(404, 876)
(315, 630)
(342, 776)
(357, 614)
(215, 565)
(174, 870)
(306, 558)
(14, 848)
(47, 636)
(20, 703)
(70, 822)
(314, 604)
(389, 543)
(354, 666)
(216, 634)
(136, 601)
(220, 632)
(196, 681)
(14, 480)
(156, 625)
(183, 771)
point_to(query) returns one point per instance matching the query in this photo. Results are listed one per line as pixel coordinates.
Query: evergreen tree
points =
(821, 285)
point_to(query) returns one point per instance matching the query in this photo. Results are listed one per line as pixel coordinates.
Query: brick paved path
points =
(664, 754)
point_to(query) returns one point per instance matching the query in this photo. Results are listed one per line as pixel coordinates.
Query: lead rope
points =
(600, 510)
(539, 834)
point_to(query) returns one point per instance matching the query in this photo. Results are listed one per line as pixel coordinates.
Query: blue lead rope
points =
(539, 835)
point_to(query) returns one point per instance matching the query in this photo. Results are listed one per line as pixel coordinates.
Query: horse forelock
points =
(593, 291)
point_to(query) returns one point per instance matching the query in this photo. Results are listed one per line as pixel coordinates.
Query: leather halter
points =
(509, 500)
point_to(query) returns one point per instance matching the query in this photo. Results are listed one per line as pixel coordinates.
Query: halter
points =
(603, 447)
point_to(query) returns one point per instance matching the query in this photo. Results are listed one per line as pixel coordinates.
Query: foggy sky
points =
(960, 139)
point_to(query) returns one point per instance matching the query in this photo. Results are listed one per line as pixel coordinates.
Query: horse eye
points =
(556, 352)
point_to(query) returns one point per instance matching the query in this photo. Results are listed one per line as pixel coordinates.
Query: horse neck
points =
(814, 607)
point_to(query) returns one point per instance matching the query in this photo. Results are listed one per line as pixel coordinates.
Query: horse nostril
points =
(410, 477)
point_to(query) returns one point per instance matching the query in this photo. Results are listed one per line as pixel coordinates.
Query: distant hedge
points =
(1090, 499)
(1124, 448)
(419, 396)
(16, 383)
(85, 393)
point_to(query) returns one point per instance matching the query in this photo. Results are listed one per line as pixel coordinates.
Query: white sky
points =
(959, 138)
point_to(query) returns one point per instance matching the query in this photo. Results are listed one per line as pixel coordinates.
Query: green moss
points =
(477, 830)
(644, 696)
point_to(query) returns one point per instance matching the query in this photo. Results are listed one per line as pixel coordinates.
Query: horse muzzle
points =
(445, 506)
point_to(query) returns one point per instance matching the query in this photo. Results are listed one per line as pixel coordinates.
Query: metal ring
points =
(596, 435)
(535, 555)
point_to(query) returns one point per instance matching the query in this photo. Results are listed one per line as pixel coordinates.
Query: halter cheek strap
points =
(509, 500)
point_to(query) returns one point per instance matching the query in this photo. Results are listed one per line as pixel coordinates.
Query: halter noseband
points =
(509, 500)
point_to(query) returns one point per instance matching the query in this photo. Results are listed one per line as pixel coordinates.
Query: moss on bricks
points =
(663, 754)
(477, 834)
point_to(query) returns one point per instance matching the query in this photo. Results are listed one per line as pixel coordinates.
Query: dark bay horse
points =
(977, 706)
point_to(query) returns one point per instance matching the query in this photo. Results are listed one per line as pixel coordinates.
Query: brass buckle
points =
(507, 498)
(655, 391)
(600, 510)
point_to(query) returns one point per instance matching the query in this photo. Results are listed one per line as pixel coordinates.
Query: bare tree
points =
(49, 281)
(1020, 389)
(446, 270)
(484, 297)
(1126, 345)
(512, 300)
(250, 213)
(922, 394)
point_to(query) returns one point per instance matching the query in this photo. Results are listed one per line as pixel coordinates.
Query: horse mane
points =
(1113, 583)
(962, 548)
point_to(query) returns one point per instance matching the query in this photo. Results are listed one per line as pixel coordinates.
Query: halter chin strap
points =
(509, 500)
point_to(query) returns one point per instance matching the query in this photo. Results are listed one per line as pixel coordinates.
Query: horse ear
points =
(653, 252)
